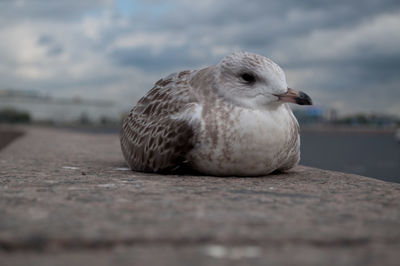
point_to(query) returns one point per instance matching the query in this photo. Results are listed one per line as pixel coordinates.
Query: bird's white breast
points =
(241, 141)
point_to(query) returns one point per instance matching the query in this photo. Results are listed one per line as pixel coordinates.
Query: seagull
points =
(228, 119)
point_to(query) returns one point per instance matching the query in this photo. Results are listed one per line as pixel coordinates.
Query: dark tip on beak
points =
(303, 99)
(293, 96)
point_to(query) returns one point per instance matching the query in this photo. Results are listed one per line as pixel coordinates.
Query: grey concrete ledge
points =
(8, 134)
(66, 199)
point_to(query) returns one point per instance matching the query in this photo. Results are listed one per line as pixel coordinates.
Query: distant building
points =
(331, 115)
(309, 115)
(46, 108)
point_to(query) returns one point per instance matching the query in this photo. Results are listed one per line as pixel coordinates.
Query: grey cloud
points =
(53, 47)
(45, 10)
(171, 59)
(241, 11)
(260, 26)
(45, 39)
(271, 28)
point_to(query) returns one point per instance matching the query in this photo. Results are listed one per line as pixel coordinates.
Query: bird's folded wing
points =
(152, 137)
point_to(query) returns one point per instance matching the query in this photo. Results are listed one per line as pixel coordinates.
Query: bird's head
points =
(255, 81)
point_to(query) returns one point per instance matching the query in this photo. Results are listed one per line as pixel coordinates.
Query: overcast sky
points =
(344, 54)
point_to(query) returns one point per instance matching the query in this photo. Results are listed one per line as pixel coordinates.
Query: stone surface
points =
(7, 135)
(66, 199)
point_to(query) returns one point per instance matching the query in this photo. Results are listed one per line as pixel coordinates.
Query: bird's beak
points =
(293, 96)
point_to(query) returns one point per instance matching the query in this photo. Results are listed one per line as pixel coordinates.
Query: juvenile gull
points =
(228, 119)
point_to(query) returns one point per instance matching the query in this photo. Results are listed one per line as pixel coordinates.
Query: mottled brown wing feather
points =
(151, 139)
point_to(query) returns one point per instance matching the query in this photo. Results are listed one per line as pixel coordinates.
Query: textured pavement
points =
(67, 199)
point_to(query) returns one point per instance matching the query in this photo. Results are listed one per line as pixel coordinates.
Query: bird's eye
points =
(249, 78)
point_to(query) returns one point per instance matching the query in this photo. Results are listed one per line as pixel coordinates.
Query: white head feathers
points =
(249, 79)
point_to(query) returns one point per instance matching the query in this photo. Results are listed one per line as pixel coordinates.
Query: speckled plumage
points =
(151, 139)
(215, 122)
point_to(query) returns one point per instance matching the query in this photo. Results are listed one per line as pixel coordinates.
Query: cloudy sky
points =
(345, 54)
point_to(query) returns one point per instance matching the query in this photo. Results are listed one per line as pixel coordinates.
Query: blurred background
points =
(84, 64)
